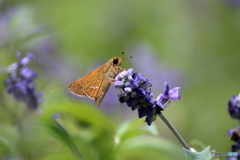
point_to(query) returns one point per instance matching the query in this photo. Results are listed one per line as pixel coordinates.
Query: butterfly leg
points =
(111, 80)
(120, 70)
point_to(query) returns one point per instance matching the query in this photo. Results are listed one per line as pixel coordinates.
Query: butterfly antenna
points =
(127, 57)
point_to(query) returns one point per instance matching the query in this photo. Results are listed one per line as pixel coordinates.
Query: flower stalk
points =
(175, 132)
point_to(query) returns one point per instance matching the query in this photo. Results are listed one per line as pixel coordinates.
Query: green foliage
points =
(203, 155)
(132, 141)
(80, 132)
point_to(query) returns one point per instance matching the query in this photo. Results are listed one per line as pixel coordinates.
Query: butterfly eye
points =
(115, 61)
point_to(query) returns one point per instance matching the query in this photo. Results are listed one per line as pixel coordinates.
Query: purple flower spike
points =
(234, 111)
(20, 84)
(235, 136)
(134, 89)
(234, 107)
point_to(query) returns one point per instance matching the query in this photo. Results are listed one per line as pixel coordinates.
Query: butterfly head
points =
(116, 61)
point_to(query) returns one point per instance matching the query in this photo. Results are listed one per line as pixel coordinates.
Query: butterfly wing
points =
(106, 83)
(94, 85)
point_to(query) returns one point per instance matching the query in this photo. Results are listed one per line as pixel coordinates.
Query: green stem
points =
(74, 147)
(175, 132)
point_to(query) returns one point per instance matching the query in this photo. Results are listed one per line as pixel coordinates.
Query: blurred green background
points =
(191, 44)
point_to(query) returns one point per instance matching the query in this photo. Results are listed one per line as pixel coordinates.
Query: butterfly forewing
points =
(95, 84)
(86, 84)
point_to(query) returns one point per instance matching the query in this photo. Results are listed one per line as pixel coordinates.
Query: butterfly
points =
(95, 84)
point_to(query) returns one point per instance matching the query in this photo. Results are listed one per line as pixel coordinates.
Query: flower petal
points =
(142, 112)
(118, 83)
(174, 95)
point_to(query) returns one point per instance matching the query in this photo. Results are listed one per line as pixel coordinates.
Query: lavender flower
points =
(20, 84)
(234, 107)
(234, 111)
(235, 136)
(134, 89)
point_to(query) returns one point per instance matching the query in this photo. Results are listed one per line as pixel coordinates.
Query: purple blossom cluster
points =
(20, 84)
(234, 111)
(135, 91)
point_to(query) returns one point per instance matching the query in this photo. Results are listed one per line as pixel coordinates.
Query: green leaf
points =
(81, 114)
(203, 155)
(149, 146)
(132, 129)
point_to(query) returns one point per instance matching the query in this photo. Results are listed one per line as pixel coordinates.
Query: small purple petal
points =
(129, 72)
(150, 101)
(151, 115)
(25, 60)
(128, 89)
(131, 102)
(174, 95)
(161, 100)
(230, 132)
(159, 97)
(149, 120)
(28, 73)
(142, 91)
(10, 88)
(118, 83)
(31, 56)
(134, 84)
(142, 112)
(120, 75)
(20, 92)
(166, 92)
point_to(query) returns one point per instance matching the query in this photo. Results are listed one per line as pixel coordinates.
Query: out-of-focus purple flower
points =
(234, 107)
(235, 3)
(232, 158)
(134, 89)
(234, 111)
(20, 84)
(235, 136)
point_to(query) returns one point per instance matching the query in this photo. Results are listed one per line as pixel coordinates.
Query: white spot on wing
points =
(94, 87)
